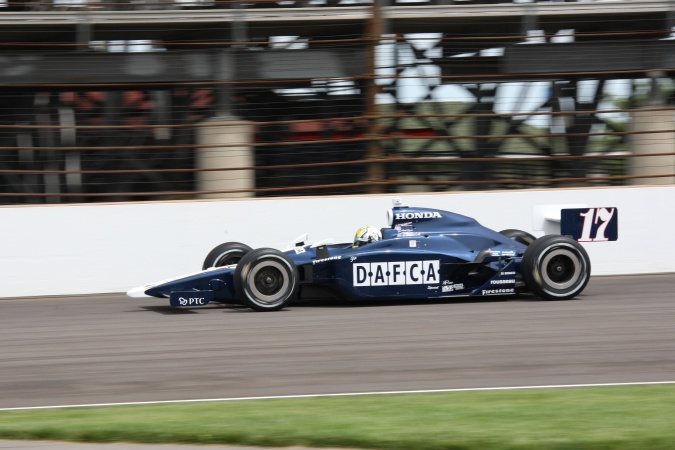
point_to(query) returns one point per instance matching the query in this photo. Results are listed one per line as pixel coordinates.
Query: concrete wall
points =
(82, 249)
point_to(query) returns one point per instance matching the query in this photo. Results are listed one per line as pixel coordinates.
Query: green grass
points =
(617, 418)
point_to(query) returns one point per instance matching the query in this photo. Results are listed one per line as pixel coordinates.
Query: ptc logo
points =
(185, 298)
(191, 301)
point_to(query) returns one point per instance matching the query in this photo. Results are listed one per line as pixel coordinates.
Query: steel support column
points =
(374, 154)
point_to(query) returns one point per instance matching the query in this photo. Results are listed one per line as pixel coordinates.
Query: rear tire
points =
(556, 267)
(225, 254)
(520, 236)
(266, 280)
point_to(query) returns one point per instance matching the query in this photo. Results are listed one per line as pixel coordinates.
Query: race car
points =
(424, 253)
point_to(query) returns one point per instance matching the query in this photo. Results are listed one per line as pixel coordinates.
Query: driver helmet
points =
(367, 234)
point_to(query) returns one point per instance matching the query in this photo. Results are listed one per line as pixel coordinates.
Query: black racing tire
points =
(225, 254)
(556, 267)
(521, 236)
(266, 280)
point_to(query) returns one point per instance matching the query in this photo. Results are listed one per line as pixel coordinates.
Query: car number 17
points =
(590, 224)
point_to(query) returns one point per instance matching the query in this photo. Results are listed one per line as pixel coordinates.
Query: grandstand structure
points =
(154, 100)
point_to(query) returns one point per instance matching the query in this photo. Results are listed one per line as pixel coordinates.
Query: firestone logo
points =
(395, 273)
(418, 215)
(331, 258)
(498, 291)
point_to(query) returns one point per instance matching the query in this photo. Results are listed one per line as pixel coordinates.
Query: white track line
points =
(350, 394)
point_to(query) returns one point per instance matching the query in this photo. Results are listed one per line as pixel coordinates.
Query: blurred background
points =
(136, 100)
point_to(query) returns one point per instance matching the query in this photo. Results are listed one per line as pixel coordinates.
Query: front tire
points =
(266, 280)
(556, 267)
(225, 254)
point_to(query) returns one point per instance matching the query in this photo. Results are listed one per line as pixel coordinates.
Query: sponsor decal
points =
(395, 273)
(192, 301)
(498, 291)
(503, 253)
(353, 258)
(299, 250)
(449, 287)
(590, 224)
(408, 234)
(191, 298)
(417, 215)
(511, 281)
(331, 258)
(406, 229)
(412, 244)
(508, 274)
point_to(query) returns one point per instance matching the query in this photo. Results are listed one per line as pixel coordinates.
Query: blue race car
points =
(424, 254)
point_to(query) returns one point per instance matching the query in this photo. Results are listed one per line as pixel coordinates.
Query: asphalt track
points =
(113, 349)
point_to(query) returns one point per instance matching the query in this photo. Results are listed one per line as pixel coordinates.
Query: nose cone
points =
(139, 291)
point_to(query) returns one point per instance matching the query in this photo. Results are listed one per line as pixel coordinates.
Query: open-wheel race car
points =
(424, 253)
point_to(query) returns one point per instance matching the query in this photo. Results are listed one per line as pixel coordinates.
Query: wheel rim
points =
(268, 283)
(561, 268)
(228, 258)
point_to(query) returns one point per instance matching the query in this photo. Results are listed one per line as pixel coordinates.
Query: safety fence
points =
(381, 103)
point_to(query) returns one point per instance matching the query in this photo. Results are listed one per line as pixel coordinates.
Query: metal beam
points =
(589, 57)
(179, 25)
(79, 68)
